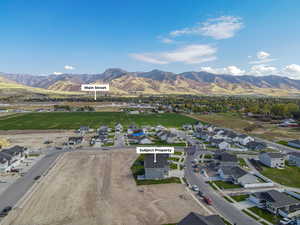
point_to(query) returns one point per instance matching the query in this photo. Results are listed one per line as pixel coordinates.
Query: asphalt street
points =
(17, 190)
(227, 210)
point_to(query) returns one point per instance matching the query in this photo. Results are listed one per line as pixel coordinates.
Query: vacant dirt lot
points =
(96, 188)
(35, 139)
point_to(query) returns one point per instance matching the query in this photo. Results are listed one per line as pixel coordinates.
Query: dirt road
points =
(96, 188)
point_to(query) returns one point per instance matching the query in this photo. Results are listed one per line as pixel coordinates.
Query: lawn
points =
(173, 166)
(288, 176)
(286, 144)
(240, 198)
(265, 215)
(226, 185)
(73, 120)
(178, 153)
(242, 162)
(174, 159)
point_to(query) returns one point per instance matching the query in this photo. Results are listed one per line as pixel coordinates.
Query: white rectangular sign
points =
(155, 150)
(95, 87)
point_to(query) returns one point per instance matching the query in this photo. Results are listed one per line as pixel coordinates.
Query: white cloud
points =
(67, 67)
(231, 70)
(148, 57)
(293, 71)
(190, 54)
(166, 40)
(262, 58)
(57, 73)
(218, 28)
(260, 70)
(262, 55)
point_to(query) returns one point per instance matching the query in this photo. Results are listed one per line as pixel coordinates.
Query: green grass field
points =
(288, 176)
(73, 120)
(226, 185)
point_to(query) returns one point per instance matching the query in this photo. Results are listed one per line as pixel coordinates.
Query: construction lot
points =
(96, 187)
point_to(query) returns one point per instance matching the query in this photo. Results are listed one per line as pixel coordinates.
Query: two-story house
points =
(272, 159)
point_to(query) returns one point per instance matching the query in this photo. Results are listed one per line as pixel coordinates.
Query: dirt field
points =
(36, 139)
(96, 188)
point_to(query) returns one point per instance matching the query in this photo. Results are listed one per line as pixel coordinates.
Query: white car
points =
(285, 221)
(195, 188)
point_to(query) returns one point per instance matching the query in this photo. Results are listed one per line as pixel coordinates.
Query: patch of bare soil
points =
(97, 188)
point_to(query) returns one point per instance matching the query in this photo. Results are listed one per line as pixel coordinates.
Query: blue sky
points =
(222, 36)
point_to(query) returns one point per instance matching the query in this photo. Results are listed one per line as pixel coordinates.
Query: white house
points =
(224, 145)
(243, 139)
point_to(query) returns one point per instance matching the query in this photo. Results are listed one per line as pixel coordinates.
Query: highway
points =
(227, 210)
(17, 190)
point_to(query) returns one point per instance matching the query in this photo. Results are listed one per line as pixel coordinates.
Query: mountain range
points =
(155, 82)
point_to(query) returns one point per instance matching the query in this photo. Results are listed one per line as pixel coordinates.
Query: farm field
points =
(87, 187)
(73, 120)
(262, 129)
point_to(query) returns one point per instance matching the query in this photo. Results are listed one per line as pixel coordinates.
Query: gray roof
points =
(161, 160)
(297, 154)
(226, 157)
(197, 219)
(14, 150)
(278, 199)
(254, 145)
(295, 142)
(235, 171)
(274, 155)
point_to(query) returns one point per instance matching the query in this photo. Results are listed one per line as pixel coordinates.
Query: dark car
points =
(37, 177)
(5, 211)
(200, 194)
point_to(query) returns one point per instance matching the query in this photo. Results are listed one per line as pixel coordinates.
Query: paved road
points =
(18, 189)
(220, 204)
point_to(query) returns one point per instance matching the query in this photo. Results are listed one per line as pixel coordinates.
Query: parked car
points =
(200, 193)
(14, 170)
(5, 211)
(195, 188)
(207, 200)
(37, 177)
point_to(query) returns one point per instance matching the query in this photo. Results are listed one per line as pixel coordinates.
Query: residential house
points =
(75, 140)
(198, 126)
(210, 128)
(243, 139)
(224, 145)
(156, 167)
(256, 146)
(119, 127)
(145, 141)
(84, 129)
(289, 123)
(294, 143)
(134, 112)
(276, 202)
(272, 159)
(294, 158)
(5, 160)
(11, 157)
(197, 219)
(204, 135)
(236, 175)
(187, 127)
(226, 159)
